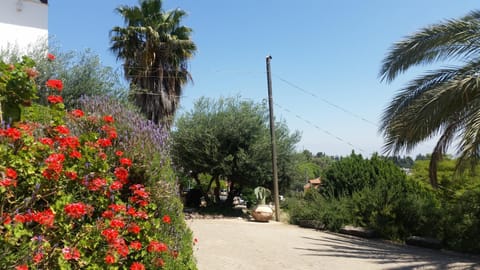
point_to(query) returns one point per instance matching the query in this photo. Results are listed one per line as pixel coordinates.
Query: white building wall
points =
(22, 23)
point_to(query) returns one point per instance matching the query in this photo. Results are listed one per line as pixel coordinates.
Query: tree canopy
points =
(155, 49)
(230, 138)
(442, 102)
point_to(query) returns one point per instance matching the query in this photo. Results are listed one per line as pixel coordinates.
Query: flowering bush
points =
(67, 201)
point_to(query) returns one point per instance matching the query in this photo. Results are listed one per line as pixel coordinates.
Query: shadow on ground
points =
(386, 253)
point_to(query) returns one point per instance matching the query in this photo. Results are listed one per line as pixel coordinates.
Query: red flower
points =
(125, 161)
(71, 253)
(62, 130)
(77, 113)
(156, 246)
(108, 214)
(119, 153)
(11, 173)
(71, 175)
(166, 219)
(116, 185)
(13, 133)
(6, 182)
(55, 84)
(55, 158)
(97, 184)
(22, 267)
(110, 234)
(19, 218)
(102, 155)
(159, 262)
(76, 154)
(104, 142)
(76, 210)
(118, 207)
(121, 174)
(37, 257)
(109, 259)
(50, 57)
(117, 223)
(134, 228)
(45, 218)
(136, 245)
(108, 119)
(46, 141)
(55, 99)
(137, 266)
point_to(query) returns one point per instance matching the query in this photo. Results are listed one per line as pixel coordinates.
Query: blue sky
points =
(326, 57)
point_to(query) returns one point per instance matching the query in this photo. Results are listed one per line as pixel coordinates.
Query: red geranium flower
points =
(55, 99)
(121, 174)
(156, 246)
(71, 175)
(13, 133)
(137, 266)
(46, 141)
(110, 234)
(11, 173)
(55, 84)
(136, 245)
(76, 154)
(116, 185)
(108, 119)
(119, 153)
(134, 228)
(166, 219)
(117, 223)
(125, 161)
(104, 142)
(51, 57)
(22, 267)
(38, 257)
(71, 253)
(76, 210)
(62, 130)
(109, 259)
(77, 113)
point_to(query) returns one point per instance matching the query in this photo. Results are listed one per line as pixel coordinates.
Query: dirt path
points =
(238, 244)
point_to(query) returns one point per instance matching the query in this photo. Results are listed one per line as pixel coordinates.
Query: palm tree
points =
(444, 102)
(155, 49)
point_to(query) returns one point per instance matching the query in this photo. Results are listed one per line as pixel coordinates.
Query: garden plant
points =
(68, 199)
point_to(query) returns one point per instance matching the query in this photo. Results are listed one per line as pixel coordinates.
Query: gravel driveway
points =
(229, 244)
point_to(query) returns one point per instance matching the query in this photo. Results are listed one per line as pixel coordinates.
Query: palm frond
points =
(453, 39)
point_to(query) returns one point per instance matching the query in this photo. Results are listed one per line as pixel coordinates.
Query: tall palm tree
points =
(444, 102)
(155, 49)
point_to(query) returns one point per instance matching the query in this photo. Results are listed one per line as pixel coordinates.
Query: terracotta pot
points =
(262, 213)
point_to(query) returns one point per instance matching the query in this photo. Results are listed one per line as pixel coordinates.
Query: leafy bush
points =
(461, 221)
(68, 202)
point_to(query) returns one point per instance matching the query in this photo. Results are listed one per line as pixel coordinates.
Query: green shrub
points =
(68, 202)
(461, 221)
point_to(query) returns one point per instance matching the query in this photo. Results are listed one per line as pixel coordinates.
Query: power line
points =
(326, 101)
(321, 129)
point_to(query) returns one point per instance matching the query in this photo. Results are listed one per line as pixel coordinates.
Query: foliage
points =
(442, 102)
(17, 88)
(262, 193)
(68, 201)
(230, 138)
(155, 49)
(82, 73)
(353, 173)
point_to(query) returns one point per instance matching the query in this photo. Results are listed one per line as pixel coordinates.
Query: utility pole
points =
(272, 136)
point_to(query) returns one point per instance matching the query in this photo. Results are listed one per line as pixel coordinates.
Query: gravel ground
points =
(230, 244)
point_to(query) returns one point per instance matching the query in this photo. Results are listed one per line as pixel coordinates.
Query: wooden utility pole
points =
(272, 136)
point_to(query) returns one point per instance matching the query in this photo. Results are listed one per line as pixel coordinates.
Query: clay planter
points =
(262, 213)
